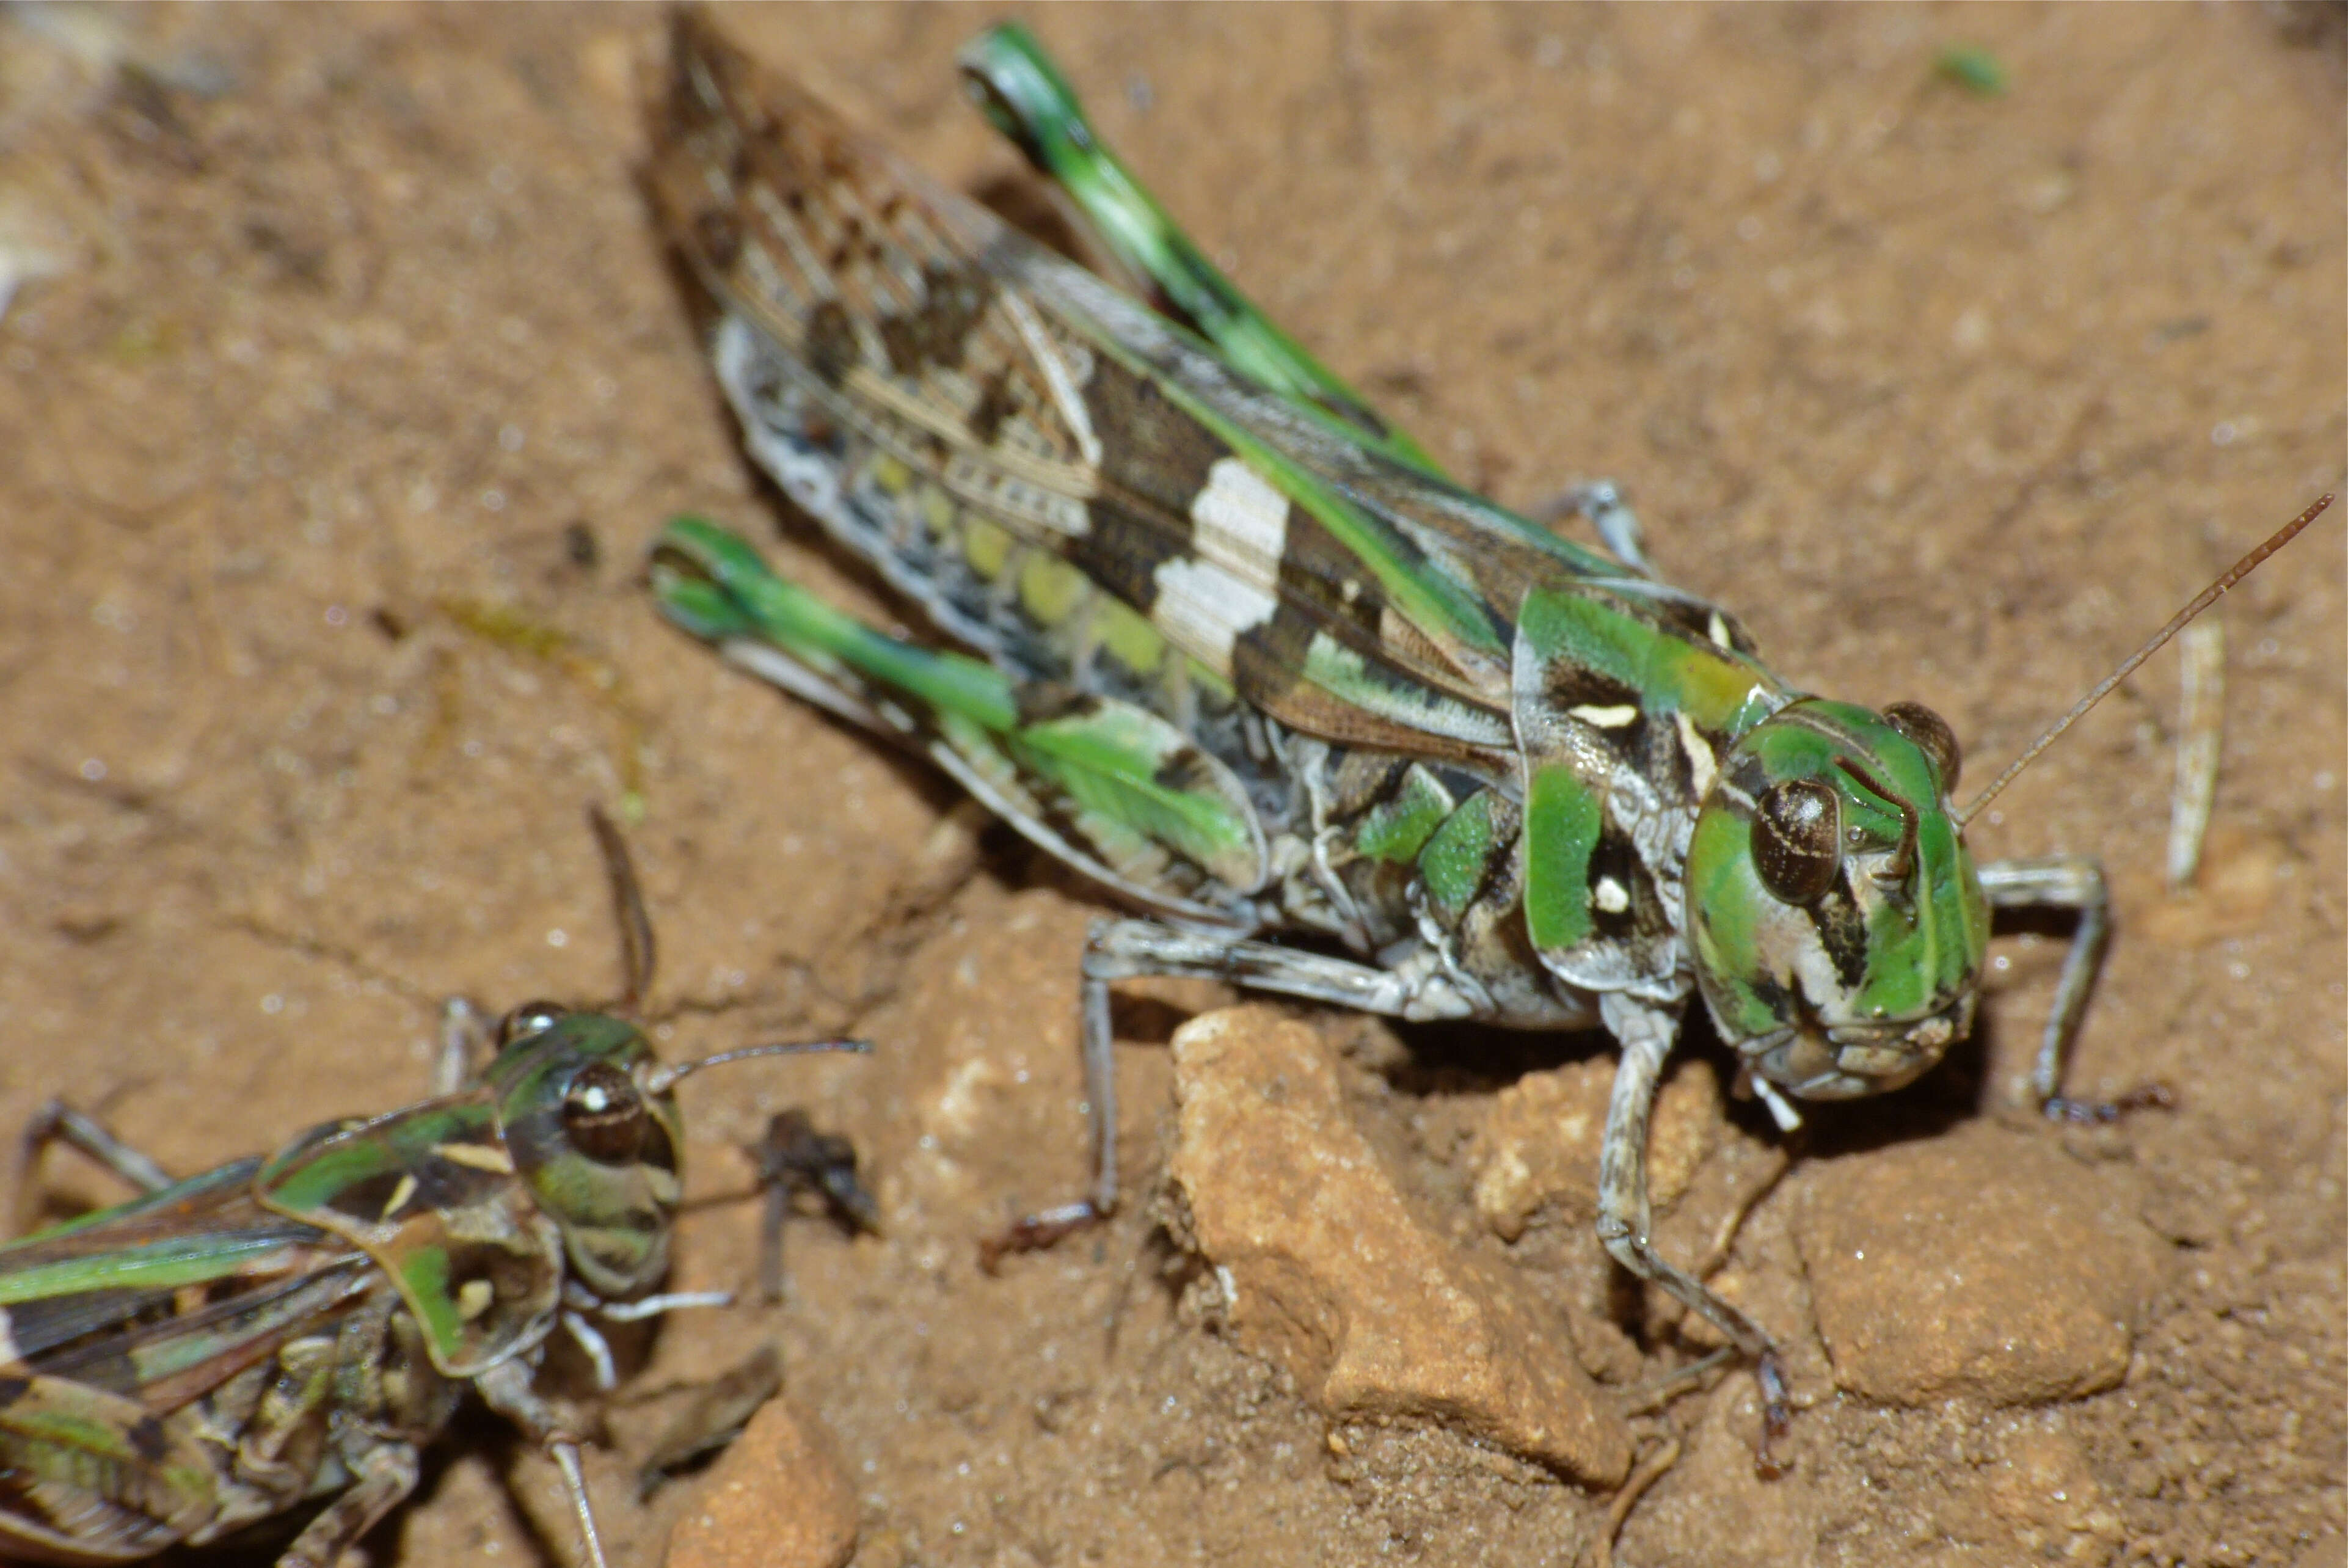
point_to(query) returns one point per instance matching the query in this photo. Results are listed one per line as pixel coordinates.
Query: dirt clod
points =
(1328, 1270)
(776, 1500)
(1986, 1263)
(1537, 1150)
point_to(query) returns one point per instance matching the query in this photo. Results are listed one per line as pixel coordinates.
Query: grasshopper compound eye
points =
(529, 1018)
(1932, 736)
(1797, 840)
(603, 1115)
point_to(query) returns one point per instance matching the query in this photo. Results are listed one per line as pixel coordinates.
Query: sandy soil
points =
(334, 442)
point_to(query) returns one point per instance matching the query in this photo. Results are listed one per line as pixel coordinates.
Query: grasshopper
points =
(296, 1327)
(1230, 644)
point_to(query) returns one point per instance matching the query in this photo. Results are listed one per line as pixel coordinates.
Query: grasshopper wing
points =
(136, 1298)
(111, 1266)
(113, 1321)
(1067, 482)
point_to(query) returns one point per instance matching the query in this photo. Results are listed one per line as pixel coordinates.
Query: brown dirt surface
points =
(776, 1500)
(349, 383)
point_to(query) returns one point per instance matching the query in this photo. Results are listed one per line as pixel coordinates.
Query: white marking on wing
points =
(1607, 718)
(1609, 896)
(1703, 766)
(400, 1194)
(478, 1156)
(1242, 522)
(1205, 609)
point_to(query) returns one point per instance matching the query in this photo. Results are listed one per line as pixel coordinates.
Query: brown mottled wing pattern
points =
(1046, 466)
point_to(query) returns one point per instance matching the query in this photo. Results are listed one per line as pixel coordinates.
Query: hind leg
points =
(1024, 96)
(57, 1122)
(1601, 501)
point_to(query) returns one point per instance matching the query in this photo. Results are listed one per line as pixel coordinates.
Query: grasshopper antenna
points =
(664, 1079)
(638, 953)
(2202, 601)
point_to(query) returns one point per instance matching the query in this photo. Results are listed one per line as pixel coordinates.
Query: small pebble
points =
(776, 1499)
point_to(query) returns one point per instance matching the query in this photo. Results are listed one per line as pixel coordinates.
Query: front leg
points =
(2074, 883)
(506, 1389)
(1645, 1033)
(794, 1158)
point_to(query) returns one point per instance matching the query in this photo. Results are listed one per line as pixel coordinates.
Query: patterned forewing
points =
(1063, 480)
(96, 1299)
(114, 1326)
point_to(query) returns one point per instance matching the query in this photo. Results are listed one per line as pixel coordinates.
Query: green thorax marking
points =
(1610, 691)
(1665, 668)
(430, 1193)
(1562, 818)
(1452, 865)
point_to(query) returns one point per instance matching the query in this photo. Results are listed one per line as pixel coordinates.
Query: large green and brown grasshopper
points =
(294, 1328)
(1228, 643)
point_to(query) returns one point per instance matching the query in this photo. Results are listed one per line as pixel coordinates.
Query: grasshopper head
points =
(592, 1128)
(1837, 922)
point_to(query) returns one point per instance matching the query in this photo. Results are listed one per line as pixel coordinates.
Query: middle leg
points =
(1132, 949)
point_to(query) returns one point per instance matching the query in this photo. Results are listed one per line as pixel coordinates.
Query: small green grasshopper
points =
(1251, 662)
(296, 1327)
